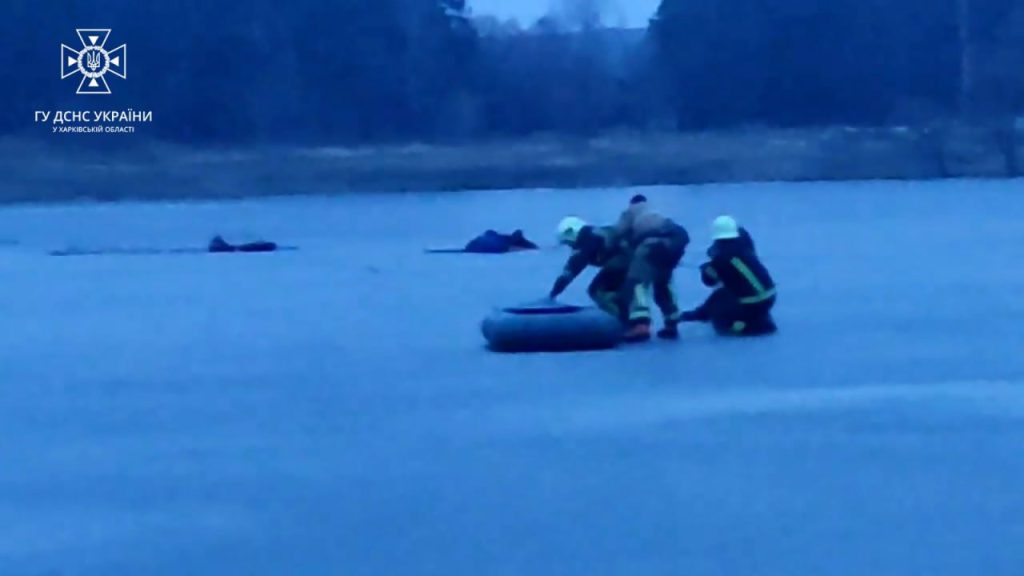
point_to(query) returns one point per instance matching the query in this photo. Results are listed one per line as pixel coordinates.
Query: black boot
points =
(692, 316)
(670, 331)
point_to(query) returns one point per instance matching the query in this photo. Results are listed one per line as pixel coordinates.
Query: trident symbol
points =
(93, 61)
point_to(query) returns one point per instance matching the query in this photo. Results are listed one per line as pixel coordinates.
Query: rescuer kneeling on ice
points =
(744, 290)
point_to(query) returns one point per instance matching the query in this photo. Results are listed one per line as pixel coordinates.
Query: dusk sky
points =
(634, 13)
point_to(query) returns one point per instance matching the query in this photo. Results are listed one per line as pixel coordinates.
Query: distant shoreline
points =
(39, 172)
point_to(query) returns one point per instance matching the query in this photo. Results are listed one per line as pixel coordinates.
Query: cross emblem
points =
(93, 61)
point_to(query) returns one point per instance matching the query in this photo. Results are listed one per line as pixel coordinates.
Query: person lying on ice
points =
(744, 290)
(598, 246)
(491, 242)
(220, 246)
(657, 244)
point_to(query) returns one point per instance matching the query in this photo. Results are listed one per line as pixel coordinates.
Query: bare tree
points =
(966, 56)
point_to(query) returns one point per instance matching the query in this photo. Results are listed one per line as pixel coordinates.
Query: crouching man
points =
(744, 292)
(593, 246)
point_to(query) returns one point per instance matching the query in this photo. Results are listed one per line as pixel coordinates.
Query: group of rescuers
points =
(636, 259)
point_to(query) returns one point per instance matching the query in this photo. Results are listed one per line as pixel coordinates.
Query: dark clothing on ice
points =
(220, 246)
(598, 246)
(745, 292)
(731, 318)
(491, 242)
(735, 267)
(258, 247)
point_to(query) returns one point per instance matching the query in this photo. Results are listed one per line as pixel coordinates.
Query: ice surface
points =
(333, 411)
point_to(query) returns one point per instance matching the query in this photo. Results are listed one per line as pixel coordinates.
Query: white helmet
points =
(725, 228)
(569, 229)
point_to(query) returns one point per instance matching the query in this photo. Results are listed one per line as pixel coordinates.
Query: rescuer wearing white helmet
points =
(598, 246)
(569, 230)
(744, 292)
(726, 228)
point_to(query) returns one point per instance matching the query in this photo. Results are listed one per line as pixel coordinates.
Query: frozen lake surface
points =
(333, 411)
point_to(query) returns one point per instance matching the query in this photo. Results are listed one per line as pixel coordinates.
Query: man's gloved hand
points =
(708, 275)
(560, 285)
(544, 301)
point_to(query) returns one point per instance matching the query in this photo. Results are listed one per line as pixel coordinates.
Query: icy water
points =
(333, 411)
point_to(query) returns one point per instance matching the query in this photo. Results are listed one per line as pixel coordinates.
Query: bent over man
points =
(598, 246)
(658, 245)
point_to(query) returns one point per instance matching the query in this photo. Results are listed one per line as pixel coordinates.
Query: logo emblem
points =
(93, 61)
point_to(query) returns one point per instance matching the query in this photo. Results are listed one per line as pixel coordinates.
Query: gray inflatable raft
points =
(548, 326)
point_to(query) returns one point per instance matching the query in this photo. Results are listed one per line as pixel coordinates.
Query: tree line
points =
(352, 71)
